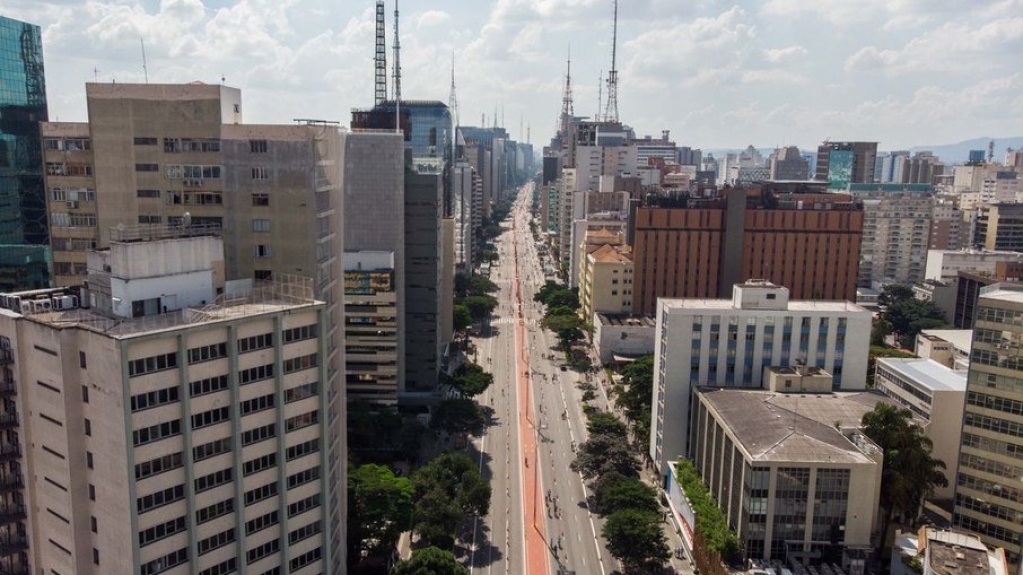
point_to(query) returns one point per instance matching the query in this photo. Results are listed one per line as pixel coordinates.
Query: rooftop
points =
(927, 372)
(629, 319)
(261, 297)
(611, 254)
(791, 427)
(956, 554)
(799, 305)
(961, 339)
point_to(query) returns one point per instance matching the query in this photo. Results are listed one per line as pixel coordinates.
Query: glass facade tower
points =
(24, 251)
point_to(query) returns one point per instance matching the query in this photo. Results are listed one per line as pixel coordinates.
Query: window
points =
(94, 524)
(301, 420)
(257, 404)
(165, 563)
(262, 522)
(81, 360)
(301, 392)
(211, 449)
(261, 225)
(88, 428)
(259, 434)
(260, 173)
(208, 385)
(303, 505)
(299, 363)
(147, 167)
(260, 493)
(95, 556)
(161, 531)
(222, 568)
(261, 199)
(255, 373)
(152, 364)
(304, 532)
(214, 479)
(305, 448)
(207, 352)
(92, 492)
(255, 342)
(257, 146)
(211, 417)
(213, 511)
(305, 559)
(268, 548)
(152, 399)
(299, 333)
(158, 465)
(149, 219)
(303, 477)
(145, 141)
(216, 541)
(259, 464)
(260, 251)
(264, 275)
(156, 432)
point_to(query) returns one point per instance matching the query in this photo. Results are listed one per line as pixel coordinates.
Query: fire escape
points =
(13, 534)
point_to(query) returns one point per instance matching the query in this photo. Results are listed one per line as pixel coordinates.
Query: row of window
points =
(58, 194)
(73, 220)
(158, 465)
(207, 352)
(216, 541)
(68, 169)
(193, 172)
(259, 464)
(165, 563)
(161, 531)
(67, 144)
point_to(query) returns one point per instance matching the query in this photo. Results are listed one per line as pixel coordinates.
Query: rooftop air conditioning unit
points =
(41, 305)
(26, 307)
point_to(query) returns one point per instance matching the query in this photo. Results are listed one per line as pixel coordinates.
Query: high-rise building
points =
(730, 342)
(166, 426)
(24, 239)
(155, 156)
(896, 234)
(999, 227)
(808, 242)
(843, 163)
(988, 499)
(788, 164)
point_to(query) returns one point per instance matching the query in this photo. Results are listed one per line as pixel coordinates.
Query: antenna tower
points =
(600, 95)
(145, 70)
(452, 99)
(611, 112)
(567, 109)
(380, 58)
(397, 57)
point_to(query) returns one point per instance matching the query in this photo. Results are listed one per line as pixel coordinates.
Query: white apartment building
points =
(945, 265)
(936, 395)
(896, 235)
(729, 343)
(949, 347)
(165, 429)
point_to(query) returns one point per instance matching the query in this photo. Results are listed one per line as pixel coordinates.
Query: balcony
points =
(11, 512)
(7, 385)
(9, 451)
(6, 357)
(8, 420)
(12, 543)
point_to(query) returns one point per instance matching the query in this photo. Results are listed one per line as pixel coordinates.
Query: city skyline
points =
(717, 74)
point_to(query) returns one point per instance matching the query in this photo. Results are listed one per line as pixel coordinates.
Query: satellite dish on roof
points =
(186, 220)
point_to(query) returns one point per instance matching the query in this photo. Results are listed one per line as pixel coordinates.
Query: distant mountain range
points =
(957, 153)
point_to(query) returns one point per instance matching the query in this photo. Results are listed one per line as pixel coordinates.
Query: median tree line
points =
(561, 316)
(632, 525)
(634, 393)
(473, 300)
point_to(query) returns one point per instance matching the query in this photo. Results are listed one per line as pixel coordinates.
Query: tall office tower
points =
(896, 232)
(374, 183)
(988, 499)
(843, 163)
(730, 342)
(463, 182)
(167, 428)
(806, 241)
(999, 227)
(789, 164)
(24, 251)
(177, 155)
(1013, 158)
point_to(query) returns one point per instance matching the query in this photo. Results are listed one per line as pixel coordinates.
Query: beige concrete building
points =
(791, 471)
(166, 156)
(605, 282)
(936, 395)
(165, 429)
(949, 347)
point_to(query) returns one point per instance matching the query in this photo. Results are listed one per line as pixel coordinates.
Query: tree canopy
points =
(910, 473)
(379, 434)
(636, 539)
(906, 315)
(635, 393)
(710, 520)
(430, 561)
(446, 489)
(379, 509)
(479, 306)
(458, 415)
(469, 379)
(614, 492)
(607, 449)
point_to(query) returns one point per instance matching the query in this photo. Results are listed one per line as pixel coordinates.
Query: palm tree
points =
(910, 473)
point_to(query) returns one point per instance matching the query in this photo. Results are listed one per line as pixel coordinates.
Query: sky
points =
(717, 74)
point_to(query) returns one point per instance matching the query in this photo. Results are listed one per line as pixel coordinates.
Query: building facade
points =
(168, 427)
(988, 499)
(729, 343)
(843, 163)
(24, 236)
(896, 232)
(791, 472)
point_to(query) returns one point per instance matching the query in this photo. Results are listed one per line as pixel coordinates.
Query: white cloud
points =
(432, 18)
(785, 55)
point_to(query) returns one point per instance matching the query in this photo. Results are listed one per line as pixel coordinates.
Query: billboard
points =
(359, 282)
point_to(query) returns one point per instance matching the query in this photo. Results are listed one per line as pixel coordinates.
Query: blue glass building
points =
(24, 239)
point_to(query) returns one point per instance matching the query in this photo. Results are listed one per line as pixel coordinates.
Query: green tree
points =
(461, 318)
(446, 489)
(469, 379)
(466, 285)
(480, 306)
(894, 293)
(601, 454)
(636, 539)
(910, 473)
(614, 492)
(379, 434)
(605, 423)
(458, 415)
(430, 561)
(379, 509)
(905, 315)
(568, 328)
(710, 520)
(635, 393)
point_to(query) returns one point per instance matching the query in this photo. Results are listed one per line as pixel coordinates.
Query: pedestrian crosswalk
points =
(510, 320)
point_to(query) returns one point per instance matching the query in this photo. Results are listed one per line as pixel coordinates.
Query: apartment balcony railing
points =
(6, 356)
(11, 513)
(8, 420)
(9, 451)
(12, 543)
